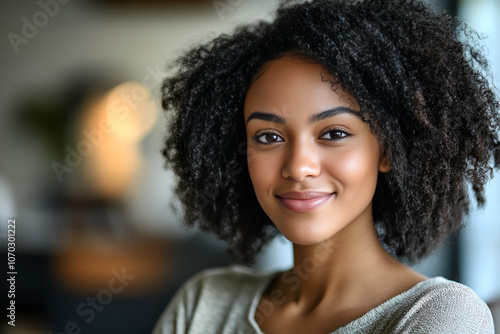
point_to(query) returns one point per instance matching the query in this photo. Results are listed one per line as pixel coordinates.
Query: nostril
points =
(301, 161)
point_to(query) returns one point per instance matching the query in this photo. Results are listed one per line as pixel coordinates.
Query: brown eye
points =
(334, 135)
(268, 138)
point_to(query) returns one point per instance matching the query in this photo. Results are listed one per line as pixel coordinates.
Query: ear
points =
(385, 165)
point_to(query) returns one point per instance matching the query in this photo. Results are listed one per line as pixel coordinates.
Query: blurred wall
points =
(85, 38)
(59, 62)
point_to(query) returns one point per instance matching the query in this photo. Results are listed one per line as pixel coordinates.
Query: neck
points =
(337, 267)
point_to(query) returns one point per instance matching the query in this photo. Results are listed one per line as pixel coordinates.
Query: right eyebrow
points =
(266, 117)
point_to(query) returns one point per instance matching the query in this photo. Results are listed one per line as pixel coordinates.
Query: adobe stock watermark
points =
(119, 110)
(223, 7)
(87, 310)
(31, 26)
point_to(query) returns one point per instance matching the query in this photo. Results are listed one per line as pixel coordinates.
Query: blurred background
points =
(99, 245)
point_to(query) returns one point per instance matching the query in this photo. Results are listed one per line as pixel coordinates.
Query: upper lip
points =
(304, 195)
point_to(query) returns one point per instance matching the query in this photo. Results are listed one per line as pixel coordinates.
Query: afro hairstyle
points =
(418, 77)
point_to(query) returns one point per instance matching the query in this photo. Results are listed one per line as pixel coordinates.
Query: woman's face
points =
(313, 162)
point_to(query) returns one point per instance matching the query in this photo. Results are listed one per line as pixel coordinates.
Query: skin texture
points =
(315, 179)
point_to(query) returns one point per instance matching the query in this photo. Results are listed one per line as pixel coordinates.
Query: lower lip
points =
(304, 205)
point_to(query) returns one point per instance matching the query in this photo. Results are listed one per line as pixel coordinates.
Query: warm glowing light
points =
(131, 110)
(113, 127)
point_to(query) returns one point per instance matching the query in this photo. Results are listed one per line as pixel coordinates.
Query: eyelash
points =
(266, 133)
(344, 134)
(257, 137)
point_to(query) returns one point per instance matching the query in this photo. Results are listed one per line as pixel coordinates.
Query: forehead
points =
(292, 83)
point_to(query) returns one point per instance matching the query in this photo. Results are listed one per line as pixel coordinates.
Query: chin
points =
(307, 236)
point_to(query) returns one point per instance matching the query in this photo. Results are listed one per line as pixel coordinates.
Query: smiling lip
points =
(304, 201)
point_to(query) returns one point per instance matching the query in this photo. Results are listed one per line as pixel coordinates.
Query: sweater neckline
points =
(269, 278)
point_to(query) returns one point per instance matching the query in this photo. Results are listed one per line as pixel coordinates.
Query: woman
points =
(351, 127)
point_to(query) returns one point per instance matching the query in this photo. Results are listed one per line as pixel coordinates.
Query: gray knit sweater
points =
(225, 301)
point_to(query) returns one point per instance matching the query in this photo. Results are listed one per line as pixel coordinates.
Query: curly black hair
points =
(417, 76)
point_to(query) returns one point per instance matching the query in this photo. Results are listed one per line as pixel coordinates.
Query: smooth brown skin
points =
(340, 271)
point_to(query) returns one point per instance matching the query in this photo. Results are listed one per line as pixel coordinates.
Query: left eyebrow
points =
(266, 117)
(330, 113)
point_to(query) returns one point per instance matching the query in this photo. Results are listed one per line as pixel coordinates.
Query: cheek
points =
(355, 168)
(261, 172)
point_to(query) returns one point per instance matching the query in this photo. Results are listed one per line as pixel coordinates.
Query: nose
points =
(301, 161)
